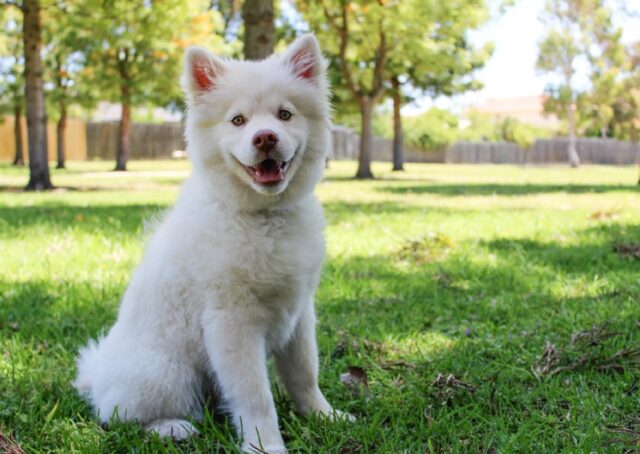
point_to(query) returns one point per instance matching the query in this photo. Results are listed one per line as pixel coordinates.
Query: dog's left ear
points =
(304, 58)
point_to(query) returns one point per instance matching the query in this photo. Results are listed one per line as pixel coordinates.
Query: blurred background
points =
(482, 296)
(464, 81)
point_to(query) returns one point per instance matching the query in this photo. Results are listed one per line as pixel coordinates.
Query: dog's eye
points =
(238, 120)
(285, 115)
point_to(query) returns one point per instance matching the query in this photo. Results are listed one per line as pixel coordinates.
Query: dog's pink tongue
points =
(269, 172)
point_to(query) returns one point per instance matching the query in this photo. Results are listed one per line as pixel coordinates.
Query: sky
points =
(511, 70)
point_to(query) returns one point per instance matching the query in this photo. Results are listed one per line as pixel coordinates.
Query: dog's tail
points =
(87, 362)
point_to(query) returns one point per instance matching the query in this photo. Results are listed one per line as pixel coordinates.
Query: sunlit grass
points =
(455, 270)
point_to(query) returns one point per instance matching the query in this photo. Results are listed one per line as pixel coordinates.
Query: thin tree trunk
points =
(366, 139)
(18, 160)
(572, 153)
(398, 138)
(634, 139)
(123, 139)
(39, 178)
(259, 28)
(60, 130)
(122, 154)
(638, 161)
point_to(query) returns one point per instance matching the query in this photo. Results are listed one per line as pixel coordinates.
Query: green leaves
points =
(133, 50)
(584, 31)
(11, 60)
(421, 42)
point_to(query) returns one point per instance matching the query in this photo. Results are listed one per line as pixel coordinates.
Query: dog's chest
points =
(282, 253)
(274, 258)
(269, 267)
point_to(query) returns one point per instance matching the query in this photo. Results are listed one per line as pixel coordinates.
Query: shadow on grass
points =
(65, 312)
(594, 252)
(517, 289)
(108, 186)
(399, 178)
(130, 218)
(398, 297)
(57, 188)
(475, 189)
(116, 219)
(484, 322)
(340, 211)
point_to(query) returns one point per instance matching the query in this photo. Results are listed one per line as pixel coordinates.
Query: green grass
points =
(469, 271)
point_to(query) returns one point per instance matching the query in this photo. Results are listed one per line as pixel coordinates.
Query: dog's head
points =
(258, 131)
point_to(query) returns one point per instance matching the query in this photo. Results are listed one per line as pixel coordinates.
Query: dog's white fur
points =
(229, 276)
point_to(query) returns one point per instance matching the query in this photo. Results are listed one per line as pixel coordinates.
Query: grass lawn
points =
(490, 308)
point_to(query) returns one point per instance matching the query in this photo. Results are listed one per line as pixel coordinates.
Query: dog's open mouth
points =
(268, 172)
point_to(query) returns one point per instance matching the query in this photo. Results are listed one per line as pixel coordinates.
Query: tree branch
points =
(343, 32)
(380, 65)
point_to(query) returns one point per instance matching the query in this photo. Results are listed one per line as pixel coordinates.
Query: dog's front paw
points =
(178, 429)
(337, 415)
(331, 414)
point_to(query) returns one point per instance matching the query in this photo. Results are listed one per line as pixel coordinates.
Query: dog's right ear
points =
(201, 68)
(304, 58)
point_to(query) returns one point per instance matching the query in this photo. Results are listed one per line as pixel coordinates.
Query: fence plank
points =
(75, 139)
(158, 141)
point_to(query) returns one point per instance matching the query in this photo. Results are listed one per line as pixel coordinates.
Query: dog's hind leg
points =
(144, 384)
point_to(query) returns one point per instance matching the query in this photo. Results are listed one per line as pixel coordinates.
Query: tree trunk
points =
(634, 139)
(398, 138)
(123, 139)
(366, 139)
(638, 161)
(572, 153)
(61, 127)
(259, 29)
(34, 93)
(18, 160)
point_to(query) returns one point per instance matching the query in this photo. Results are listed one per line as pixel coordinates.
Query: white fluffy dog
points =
(229, 277)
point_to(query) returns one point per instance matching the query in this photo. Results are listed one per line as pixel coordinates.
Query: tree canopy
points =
(581, 30)
(373, 43)
(11, 74)
(133, 52)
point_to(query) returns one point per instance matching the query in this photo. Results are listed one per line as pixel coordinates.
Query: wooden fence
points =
(159, 141)
(545, 151)
(147, 141)
(75, 139)
(382, 150)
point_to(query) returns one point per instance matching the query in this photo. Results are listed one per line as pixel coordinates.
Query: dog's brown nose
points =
(265, 140)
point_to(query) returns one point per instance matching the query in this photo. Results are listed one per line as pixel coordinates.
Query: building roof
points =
(528, 109)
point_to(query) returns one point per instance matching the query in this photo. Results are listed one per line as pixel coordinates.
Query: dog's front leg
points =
(237, 352)
(297, 366)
